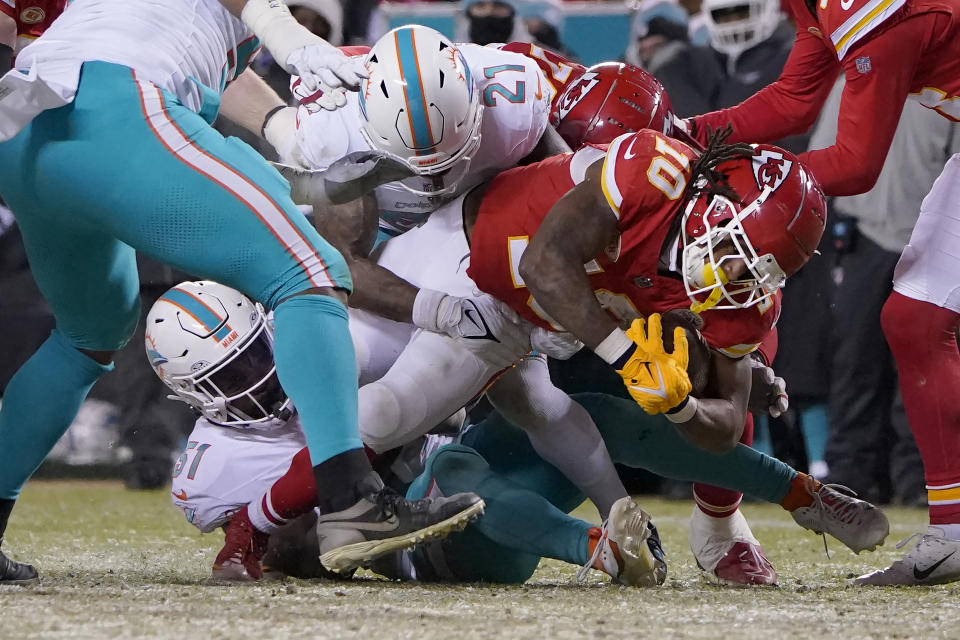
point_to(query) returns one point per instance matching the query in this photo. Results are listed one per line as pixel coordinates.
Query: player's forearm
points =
(248, 100)
(380, 291)
(870, 109)
(550, 144)
(716, 426)
(715, 420)
(787, 107)
(562, 290)
(8, 31)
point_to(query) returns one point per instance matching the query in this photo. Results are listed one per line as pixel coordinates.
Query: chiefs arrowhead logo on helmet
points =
(770, 168)
(575, 93)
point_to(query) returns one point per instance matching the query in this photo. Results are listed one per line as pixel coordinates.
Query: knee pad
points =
(455, 468)
(380, 417)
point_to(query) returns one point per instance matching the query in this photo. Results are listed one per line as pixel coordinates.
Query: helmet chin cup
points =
(702, 265)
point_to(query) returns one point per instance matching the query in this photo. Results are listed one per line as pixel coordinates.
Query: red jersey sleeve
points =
(642, 171)
(878, 73)
(6, 7)
(787, 107)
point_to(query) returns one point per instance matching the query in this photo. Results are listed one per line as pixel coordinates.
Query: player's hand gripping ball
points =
(657, 380)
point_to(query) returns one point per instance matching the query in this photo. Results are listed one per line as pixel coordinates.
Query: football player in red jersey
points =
(593, 241)
(606, 101)
(888, 50)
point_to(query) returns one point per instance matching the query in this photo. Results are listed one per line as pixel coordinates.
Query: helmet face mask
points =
(420, 105)
(213, 348)
(707, 260)
(738, 251)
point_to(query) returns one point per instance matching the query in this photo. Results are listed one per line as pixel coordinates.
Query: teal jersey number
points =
(197, 450)
(519, 93)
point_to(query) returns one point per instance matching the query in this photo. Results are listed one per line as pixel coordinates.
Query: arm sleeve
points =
(870, 109)
(787, 107)
(6, 7)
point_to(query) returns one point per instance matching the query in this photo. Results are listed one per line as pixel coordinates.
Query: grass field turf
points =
(122, 564)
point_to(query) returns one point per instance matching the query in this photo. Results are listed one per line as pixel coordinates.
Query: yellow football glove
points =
(657, 380)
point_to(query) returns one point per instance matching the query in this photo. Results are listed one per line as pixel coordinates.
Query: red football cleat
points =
(745, 563)
(726, 549)
(243, 549)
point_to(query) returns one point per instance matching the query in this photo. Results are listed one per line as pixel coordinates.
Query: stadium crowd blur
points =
(846, 422)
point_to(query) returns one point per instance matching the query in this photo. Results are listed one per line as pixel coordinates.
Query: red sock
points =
(292, 495)
(718, 502)
(921, 337)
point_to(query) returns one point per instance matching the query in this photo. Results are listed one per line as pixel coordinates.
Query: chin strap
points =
(710, 278)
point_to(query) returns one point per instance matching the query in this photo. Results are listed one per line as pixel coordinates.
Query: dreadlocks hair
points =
(716, 152)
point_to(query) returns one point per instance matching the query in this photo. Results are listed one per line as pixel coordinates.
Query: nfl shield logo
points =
(863, 64)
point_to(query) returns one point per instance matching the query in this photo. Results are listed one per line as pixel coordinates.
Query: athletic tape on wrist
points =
(277, 29)
(615, 346)
(683, 412)
(425, 308)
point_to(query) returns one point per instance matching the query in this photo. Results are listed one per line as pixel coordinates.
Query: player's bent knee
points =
(104, 333)
(455, 468)
(380, 417)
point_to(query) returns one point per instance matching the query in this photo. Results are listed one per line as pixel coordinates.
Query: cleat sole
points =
(352, 556)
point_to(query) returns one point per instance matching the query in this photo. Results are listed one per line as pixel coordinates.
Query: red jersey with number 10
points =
(644, 177)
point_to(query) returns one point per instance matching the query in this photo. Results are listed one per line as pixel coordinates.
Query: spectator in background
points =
(489, 21)
(659, 44)
(870, 447)
(750, 39)
(543, 20)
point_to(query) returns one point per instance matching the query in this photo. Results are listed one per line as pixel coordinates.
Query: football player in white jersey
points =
(232, 384)
(107, 148)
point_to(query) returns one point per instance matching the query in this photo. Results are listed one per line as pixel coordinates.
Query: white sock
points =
(951, 531)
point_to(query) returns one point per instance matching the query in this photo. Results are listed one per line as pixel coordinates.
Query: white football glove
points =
(347, 179)
(482, 324)
(320, 65)
(768, 392)
(323, 66)
(561, 345)
(323, 98)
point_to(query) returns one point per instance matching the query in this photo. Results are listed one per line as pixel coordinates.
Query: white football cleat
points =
(726, 549)
(935, 559)
(628, 547)
(854, 522)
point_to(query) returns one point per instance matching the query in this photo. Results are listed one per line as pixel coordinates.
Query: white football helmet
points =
(748, 23)
(421, 105)
(214, 348)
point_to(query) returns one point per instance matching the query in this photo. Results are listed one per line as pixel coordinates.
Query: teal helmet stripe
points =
(413, 91)
(199, 311)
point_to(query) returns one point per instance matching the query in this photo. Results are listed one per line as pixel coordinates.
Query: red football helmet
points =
(774, 229)
(609, 99)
